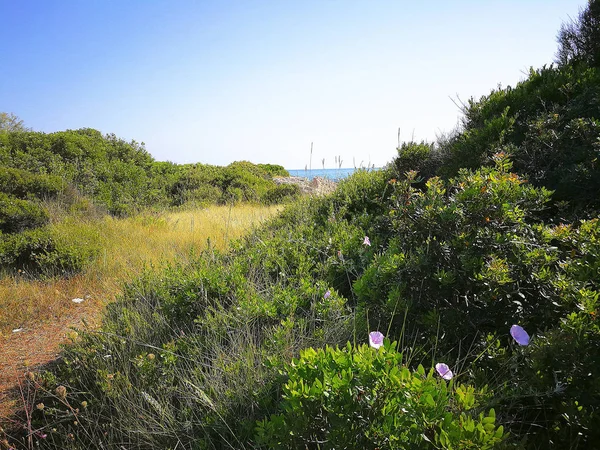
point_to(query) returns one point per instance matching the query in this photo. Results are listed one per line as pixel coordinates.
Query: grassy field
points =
(127, 246)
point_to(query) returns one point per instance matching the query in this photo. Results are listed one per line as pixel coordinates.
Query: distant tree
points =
(10, 122)
(579, 40)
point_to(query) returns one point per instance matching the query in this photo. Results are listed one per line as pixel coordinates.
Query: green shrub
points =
(274, 170)
(41, 252)
(24, 184)
(548, 122)
(281, 193)
(17, 215)
(423, 158)
(366, 398)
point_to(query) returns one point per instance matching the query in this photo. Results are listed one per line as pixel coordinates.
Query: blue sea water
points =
(332, 174)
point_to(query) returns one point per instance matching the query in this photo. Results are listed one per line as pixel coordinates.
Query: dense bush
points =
(41, 252)
(423, 158)
(83, 172)
(18, 215)
(366, 398)
(24, 184)
(281, 193)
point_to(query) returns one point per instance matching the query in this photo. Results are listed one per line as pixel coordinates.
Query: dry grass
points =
(127, 246)
(44, 310)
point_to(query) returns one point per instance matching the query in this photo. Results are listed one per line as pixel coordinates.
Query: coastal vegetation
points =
(449, 300)
(46, 179)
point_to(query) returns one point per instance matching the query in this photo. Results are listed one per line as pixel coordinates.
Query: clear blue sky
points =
(219, 81)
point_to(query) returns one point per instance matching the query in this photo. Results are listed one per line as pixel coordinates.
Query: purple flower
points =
(519, 335)
(375, 339)
(444, 371)
(327, 294)
(367, 241)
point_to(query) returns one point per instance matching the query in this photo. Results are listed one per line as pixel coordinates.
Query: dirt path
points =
(34, 346)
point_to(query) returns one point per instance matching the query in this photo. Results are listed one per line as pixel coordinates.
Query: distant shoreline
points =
(330, 174)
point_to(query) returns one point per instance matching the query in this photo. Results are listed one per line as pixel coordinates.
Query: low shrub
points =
(42, 252)
(365, 398)
(17, 215)
(281, 193)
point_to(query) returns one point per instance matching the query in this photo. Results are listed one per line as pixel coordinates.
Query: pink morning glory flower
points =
(519, 335)
(327, 294)
(444, 371)
(375, 339)
(367, 241)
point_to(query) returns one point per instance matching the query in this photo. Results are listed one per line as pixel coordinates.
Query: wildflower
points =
(444, 371)
(375, 339)
(77, 300)
(84, 404)
(151, 356)
(327, 294)
(519, 335)
(367, 241)
(61, 392)
(40, 406)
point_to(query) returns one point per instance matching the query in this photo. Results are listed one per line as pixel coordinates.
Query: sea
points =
(332, 174)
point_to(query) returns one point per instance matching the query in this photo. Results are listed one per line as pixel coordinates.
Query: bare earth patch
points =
(37, 345)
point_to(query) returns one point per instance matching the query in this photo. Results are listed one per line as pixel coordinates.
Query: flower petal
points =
(444, 371)
(375, 339)
(519, 335)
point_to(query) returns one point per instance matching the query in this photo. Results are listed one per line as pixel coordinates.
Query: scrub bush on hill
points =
(274, 170)
(423, 158)
(550, 123)
(281, 194)
(579, 40)
(75, 172)
(109, 170)
(239, 181)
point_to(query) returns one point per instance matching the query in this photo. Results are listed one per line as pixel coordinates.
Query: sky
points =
(262, 81)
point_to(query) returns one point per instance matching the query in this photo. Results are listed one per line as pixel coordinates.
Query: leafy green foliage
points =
(10, 122)
(365, 398)
(40, 252)
(423, 157)
(24, 184)
(549, 123)
(282, 193)
(18, 215)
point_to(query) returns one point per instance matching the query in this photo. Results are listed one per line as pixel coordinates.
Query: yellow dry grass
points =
(128, 245)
